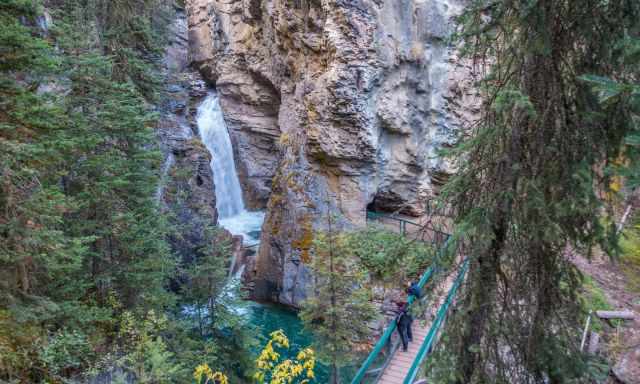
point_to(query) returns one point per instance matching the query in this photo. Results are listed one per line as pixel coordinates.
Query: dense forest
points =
(86, 266)
(91, 286)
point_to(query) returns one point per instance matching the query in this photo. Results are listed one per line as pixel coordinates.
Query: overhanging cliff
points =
(332, 106)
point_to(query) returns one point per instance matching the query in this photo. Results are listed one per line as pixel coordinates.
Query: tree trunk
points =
(482, 283)
(24, 276)
(335, 379)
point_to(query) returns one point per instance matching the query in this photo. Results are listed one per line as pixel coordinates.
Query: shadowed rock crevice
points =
(331, 105)
(186, 191)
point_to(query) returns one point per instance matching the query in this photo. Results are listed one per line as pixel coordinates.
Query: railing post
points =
(425, 348)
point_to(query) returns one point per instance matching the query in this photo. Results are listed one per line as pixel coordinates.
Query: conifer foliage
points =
(530, 176)
(84, 261)
(340, 310)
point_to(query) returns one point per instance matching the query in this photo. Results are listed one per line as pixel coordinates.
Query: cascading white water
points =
(237, 220)
(233, 216)
(216, 137)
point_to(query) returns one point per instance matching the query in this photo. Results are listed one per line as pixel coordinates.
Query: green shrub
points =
(630, 256)
(593, 299)
(389, 256)
(66, 351)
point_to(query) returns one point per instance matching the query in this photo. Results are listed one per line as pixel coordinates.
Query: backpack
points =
(415, 291)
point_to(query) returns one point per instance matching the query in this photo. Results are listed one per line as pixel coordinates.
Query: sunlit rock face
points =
(333, 106)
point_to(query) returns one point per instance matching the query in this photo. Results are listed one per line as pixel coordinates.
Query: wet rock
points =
(331, 106)
(173, 88)
(186, 191)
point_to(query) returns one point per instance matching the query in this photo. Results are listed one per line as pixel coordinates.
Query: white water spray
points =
(233, 215)
(216, 138)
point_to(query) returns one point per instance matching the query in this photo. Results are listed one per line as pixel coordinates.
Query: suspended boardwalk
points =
(401, 362)
(387, 363)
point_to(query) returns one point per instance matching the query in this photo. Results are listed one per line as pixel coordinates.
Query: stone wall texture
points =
(333, 106)
(186, 191)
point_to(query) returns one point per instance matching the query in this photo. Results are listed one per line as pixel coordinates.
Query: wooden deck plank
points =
(401, 361)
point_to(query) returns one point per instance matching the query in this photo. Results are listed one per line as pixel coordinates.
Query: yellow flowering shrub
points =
(269, 367)
(273, 371)
(203, 371)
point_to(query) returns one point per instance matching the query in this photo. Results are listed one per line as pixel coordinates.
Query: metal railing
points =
(427, 232)
(376, 362)
(429, 341)
(372, 368)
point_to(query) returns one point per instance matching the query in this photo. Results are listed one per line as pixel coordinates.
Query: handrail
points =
(387, 334)
(389, 331)
(392, 351)
(373, 215)
(429, 340)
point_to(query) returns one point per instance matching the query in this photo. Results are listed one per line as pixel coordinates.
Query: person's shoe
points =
(404, 349)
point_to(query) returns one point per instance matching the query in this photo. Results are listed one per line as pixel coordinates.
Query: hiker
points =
(403, 322)
(413, 289)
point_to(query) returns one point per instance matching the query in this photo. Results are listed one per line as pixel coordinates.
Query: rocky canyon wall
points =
(186, 190)
(333, 106)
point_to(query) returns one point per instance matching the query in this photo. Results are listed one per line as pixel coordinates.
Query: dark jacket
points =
(404, 320)
(404, 317)
(414, 290)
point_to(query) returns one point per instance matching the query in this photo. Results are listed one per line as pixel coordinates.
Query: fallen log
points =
(624, 315)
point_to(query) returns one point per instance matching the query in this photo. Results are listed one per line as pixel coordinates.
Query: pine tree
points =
(339, 310)
(530, 180)
(35, 250)
(81, 240)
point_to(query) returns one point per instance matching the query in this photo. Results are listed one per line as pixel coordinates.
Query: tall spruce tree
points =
(339, 310)
(81, 241)
(530, 180)
(34, 248)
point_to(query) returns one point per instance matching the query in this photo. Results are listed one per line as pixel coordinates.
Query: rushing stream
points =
(236, 219)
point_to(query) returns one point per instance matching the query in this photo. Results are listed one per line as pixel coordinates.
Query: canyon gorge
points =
(239, 191)
(333, 108)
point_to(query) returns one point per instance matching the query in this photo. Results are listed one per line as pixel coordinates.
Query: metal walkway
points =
(401, 362)
(387, 363)
(390, 365)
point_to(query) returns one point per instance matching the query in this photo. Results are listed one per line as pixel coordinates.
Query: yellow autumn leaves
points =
(203, 371)
(288, 371)
(269, 367)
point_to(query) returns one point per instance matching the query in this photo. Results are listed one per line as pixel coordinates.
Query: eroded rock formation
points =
(186, 190)
(333, 106)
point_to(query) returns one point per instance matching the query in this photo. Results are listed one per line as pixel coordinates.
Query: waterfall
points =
(168, 163)
(229, 202)
(236, 219)
(215, 136)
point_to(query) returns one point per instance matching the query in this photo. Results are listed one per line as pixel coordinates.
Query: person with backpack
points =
(403, 323)
(413, 289)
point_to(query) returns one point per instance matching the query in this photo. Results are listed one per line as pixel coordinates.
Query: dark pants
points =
(404, 329)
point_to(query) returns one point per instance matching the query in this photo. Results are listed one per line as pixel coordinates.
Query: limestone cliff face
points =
(186, 190)
(332, 106)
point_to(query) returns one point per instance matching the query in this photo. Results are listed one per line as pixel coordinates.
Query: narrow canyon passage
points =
(234, 217)
(270, 191)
